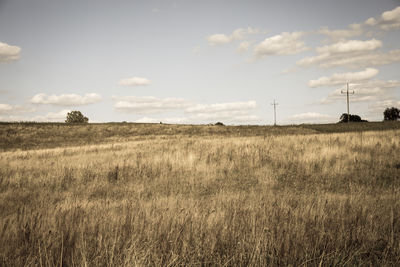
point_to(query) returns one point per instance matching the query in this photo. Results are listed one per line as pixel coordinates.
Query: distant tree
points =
(353, 118)
(219, 124)
(76, 117)
(391, 114)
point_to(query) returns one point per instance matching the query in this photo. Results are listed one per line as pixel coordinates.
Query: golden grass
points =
(225, 200)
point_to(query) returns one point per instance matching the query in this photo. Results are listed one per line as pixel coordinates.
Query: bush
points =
(76, 117)
(391, 114)
(219, 124)
(353, 118)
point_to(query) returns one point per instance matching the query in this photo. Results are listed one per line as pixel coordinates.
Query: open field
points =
(167, 195)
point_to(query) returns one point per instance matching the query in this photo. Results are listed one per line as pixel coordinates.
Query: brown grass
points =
(204, 199)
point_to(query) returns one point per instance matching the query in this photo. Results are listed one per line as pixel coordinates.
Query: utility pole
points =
(274, 104)
(348, 101)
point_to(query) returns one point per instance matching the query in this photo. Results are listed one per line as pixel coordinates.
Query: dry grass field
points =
(166, 195)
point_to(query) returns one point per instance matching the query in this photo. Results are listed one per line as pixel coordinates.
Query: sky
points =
(198, 62)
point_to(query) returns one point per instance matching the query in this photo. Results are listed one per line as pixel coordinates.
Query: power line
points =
(348, 101)
(274, 104)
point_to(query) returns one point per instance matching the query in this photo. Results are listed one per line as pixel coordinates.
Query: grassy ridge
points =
(50, 135)
(235, 199)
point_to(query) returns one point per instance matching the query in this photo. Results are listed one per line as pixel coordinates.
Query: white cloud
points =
(376, 108)
(5, 108)
(65, 99)
(243, 46)
(282, 44)
(228, 112)
(52, 116)
(389, 20)
(367, 91)
(349, 46)
(148, 104)
(9, 53)
(342, 78)
(134, 81)
(14, 109)
(310, 117)
(232, 106)
(351, 54)
(15, 115)
(338, 35)
(173, 120)
(219, 38)
(238, 34)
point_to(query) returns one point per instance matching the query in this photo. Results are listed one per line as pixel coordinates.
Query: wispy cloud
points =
(9, 53)
(367, 91)
(229, 112)
(148, 104)
(342, 34)
(389, 20)
(285, 43)
(351, 54)
(342, 78)
(243, 47)
(17, 115)
(66, 99)
(52, 116)
(238, 34)
(308, 117)
(7, 109)
(134, 81)
(172, 120)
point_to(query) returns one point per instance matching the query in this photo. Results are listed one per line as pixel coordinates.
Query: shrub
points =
(352, 118)
(391, 114)
(76, 117)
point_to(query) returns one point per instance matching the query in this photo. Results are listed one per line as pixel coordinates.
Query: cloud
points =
(243, 47)
(148, 104)
(380, 106)
(389, 20)
(18, 113)
(230, 112)
(351, 54)
(367, 91)
(66, 99)
(339, 35)
(173, 120)
(218, 39)
(282, 44)
(134, 81)
(52, 116)
(232, 106)
(9, 53)
(238, 34)
(7, 109)
(342, 78)
(349, 46)
(311, 117)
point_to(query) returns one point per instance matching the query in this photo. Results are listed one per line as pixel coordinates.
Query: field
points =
(167, 195)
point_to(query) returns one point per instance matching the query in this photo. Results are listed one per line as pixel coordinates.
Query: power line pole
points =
(348, 101)
(274, 104)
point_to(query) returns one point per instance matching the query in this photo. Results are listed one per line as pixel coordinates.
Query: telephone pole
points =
(348, 101)
(274, 104)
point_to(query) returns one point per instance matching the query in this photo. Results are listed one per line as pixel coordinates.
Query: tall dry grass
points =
(314, 199)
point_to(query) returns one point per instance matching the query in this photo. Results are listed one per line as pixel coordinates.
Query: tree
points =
(391, 114)
(353, 118)
(76, 117)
